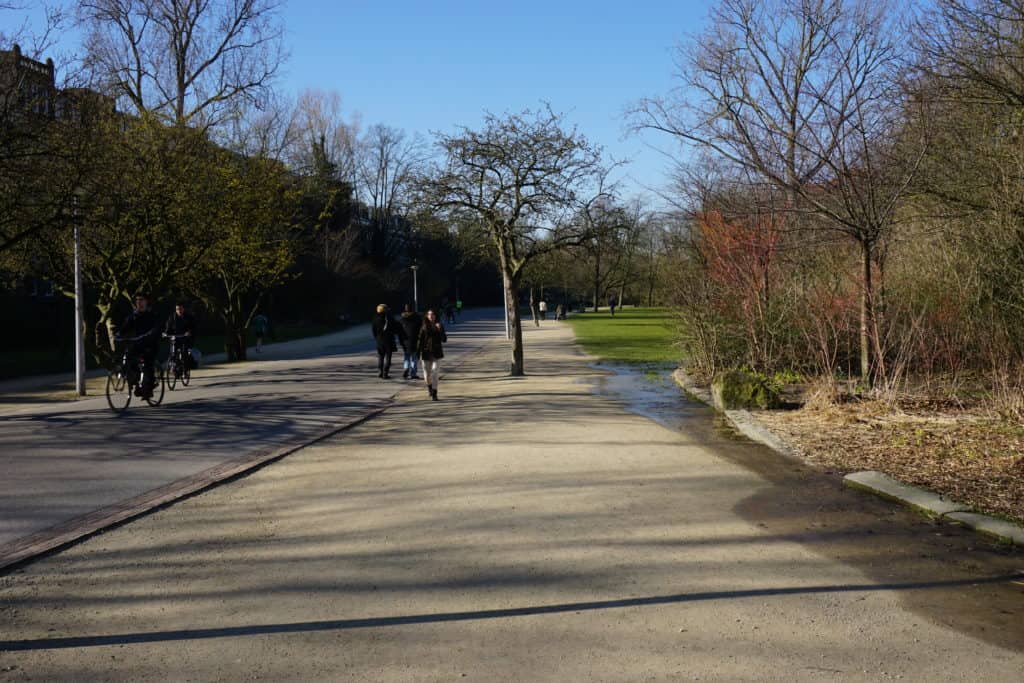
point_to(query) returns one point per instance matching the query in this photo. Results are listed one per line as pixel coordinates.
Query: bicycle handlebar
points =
(175, 336)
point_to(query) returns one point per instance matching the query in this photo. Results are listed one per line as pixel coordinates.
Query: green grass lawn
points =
(634, 335)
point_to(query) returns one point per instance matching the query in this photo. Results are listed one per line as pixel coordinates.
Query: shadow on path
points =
(383, 622)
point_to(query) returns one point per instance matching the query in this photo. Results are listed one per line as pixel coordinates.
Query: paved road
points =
(62, 459)
(522, 530)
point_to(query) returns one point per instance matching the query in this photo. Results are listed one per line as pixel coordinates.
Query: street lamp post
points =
(79, 340)
(415, 289)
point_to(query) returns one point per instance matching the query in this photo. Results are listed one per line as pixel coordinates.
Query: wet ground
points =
(983, 582)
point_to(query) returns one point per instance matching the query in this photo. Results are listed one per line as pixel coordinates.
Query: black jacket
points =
(143, 325)
(177, 325)
(411, 323)
(385, 329)
(430, 341)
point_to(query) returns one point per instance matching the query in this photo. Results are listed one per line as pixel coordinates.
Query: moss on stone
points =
(738, 389)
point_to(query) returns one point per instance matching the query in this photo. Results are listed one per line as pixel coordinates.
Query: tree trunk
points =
(866, 313)
(235, 344)
(597, 280)
(515, 324)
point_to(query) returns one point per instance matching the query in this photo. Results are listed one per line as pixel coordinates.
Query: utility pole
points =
(415, 289)
(79, 340)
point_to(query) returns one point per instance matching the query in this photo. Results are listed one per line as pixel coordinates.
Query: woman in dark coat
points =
(430, 343)
(385, 329)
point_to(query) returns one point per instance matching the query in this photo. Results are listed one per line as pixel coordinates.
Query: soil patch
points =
(971, 458)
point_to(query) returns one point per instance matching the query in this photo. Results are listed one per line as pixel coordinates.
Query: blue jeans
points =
(410, 362)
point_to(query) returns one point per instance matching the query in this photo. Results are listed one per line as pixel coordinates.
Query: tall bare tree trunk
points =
(866, 313)
(514, 322)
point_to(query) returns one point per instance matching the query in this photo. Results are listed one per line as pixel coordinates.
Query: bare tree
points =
(36, 40)
(973, 47)
(188, 61)
(523, 177)
(389, 163)
(804, 94)
(320, 134)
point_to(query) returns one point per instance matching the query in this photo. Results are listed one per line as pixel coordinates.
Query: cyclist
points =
(142, 327)
(181, 324)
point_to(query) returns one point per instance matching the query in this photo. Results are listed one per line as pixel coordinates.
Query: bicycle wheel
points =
(119, 390)
(159, 384)
(170, 372)
(186, 372)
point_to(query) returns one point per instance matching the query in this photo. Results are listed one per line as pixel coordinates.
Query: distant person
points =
(142, 330)
(449, 314)
(430, 343)
(458, 307)
(385, 330)
(559, 312)
(181, 325)
(260, 326)
(611, 305)
(543, 308)
(411, 323)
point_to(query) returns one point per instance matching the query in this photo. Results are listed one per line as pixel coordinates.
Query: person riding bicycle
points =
(142, 328)
(182, 325)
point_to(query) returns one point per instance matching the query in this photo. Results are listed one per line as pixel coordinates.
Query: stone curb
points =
(877, 483)
(749, 426)
(1000, 529)
(690, 386)
(741, 420)
(935, 505)
(884, 486)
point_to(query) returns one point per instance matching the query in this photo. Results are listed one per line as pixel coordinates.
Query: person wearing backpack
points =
(411, 323)
(385, 330)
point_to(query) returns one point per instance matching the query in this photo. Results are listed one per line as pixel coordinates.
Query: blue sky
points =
(431, 66)
(426, 66)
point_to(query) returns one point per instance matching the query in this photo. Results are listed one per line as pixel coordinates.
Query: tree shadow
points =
(58, 643)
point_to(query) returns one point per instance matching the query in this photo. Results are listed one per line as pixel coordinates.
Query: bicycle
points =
(179, 365)
(126, 376)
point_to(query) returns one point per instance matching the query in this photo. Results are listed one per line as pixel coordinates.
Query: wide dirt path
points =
(522, 530)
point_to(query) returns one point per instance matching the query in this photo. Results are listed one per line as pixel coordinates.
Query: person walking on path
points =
(430, 343)
(260, 325)
(543, 308)
(458, 307)
(411, 323)
(611, 305)
(385, 329)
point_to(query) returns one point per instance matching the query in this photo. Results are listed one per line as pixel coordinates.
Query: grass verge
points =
(633, 335)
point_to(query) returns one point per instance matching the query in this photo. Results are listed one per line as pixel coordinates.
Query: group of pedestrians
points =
(422, 341)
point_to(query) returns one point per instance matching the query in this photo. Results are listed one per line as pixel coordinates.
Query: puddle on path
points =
(887, 543)
(650, 391)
